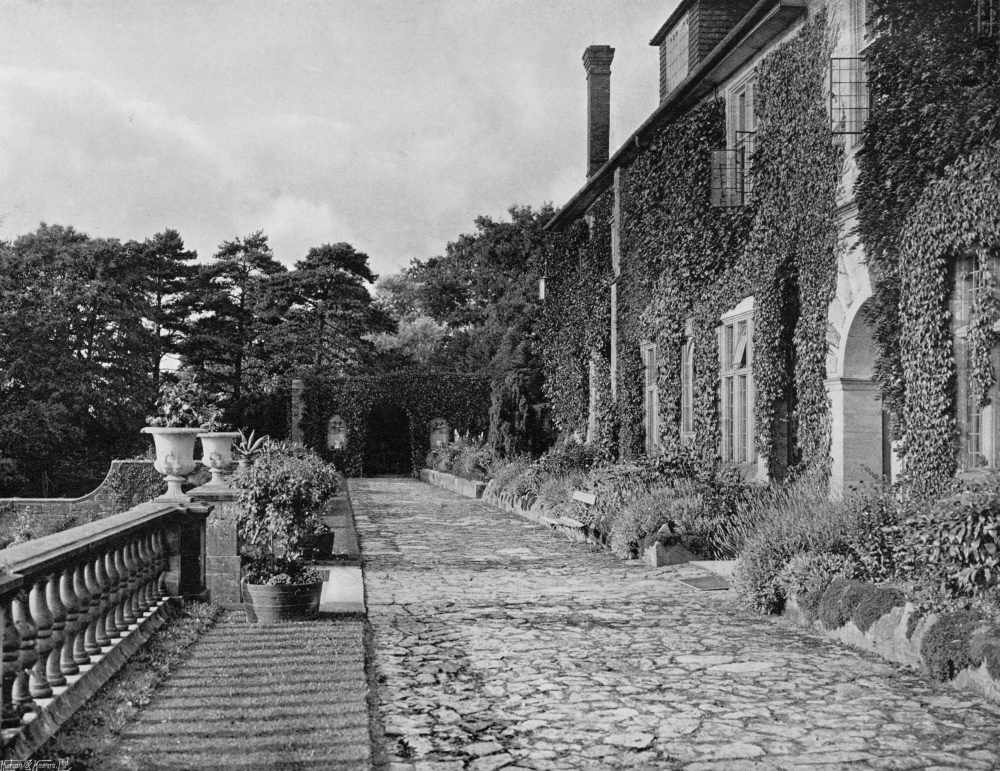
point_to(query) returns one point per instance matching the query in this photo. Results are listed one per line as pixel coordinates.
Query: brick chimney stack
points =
(597, 62)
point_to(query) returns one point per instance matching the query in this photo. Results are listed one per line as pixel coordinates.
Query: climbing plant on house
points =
(956, 214)
(935, 97)
(685, 263)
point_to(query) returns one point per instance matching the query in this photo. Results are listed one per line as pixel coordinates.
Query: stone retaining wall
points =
(887, 638)
(467, 487)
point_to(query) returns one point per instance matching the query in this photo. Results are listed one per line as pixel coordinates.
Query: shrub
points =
(957, 542)
(472, 461)
(505, 472)
(808, 575)
(785, 522)
(874, 535)
(986, 648)
(945, 647)
(643, 516)
(876, 603)
(839, 601)
(557, 489)
(280, 500)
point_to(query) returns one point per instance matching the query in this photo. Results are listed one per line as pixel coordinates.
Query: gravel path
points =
(500, 645)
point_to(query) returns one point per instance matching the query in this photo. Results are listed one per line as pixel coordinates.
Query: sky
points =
(389, 124)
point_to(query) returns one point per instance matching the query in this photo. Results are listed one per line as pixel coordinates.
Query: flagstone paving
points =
(499, 645)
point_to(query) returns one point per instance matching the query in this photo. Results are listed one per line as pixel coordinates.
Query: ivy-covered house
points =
(743, 275)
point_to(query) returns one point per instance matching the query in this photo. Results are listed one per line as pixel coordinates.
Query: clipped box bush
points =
(945, 648)
(875, 604)
(840, 600)
(807, 576)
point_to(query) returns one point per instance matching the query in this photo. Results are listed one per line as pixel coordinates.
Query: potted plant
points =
(184, 409)
(278, 508)
(247, 448)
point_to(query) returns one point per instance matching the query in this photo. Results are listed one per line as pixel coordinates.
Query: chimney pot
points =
(597, 62)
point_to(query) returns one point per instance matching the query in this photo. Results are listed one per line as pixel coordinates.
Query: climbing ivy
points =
(576, 317)
(682, 259)
(935, 91)
(462, 400)
(792, 249)
(958, 213)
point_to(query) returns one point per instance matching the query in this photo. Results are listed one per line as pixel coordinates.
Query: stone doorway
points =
(860, 441)
(387, 446)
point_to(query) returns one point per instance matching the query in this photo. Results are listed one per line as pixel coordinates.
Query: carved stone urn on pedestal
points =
(217, 454)
(174, 457)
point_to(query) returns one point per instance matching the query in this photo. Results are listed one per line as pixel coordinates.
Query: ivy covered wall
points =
(462, 400)
(935, 98)
(682, 259)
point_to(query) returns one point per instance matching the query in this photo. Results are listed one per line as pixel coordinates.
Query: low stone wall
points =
(467, 487)
(887, 638)
(128, 483)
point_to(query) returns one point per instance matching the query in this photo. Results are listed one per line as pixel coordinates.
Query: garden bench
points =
(568, 524)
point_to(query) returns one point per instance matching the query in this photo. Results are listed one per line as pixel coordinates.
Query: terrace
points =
(76, 605)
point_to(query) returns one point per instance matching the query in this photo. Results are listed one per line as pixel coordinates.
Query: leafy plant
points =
(945, 647)
(808, 575)
(186, 403)
(792, 519)
(249, 447)
(958, 540)
(280, 501)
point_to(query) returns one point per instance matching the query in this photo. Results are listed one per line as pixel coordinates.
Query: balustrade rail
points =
(69, 602)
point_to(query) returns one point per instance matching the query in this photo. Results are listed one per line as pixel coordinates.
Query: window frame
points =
(978, 448)
(736, 394)
(687, 431)
(650, 396)
(677, 54)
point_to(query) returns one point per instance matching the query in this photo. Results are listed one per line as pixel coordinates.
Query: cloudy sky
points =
(390, 124)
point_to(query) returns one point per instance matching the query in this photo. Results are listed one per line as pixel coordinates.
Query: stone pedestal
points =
(222, 561)
(185, 575)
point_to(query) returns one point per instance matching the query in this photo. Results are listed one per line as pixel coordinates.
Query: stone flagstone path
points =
(500, 645)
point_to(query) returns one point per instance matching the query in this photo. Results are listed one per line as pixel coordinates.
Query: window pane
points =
(741, 419)
(727, 419)
(727, 349)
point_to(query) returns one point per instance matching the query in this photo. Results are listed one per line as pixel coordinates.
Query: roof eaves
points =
(672, 20)
(760, 24)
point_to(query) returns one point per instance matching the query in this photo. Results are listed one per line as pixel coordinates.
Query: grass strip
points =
(86, 738)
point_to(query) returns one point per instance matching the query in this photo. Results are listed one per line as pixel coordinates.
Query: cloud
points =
(294, 225)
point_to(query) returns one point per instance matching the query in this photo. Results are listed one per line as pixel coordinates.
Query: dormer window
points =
(675, 55)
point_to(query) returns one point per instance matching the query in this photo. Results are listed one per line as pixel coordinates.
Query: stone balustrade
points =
(75, 605)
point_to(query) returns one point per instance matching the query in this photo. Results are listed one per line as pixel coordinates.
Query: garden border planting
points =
(905, 636)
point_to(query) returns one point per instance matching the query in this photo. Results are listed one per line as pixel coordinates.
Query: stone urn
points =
(174, 457)
(217, 453)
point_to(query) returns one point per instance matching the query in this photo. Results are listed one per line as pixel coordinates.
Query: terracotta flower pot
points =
(174, 457)
(217, 453)
(289, 602)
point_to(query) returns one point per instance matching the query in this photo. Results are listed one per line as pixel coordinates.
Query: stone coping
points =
(887, 638)
(724, 568)
(41, 554)
(467, 487)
